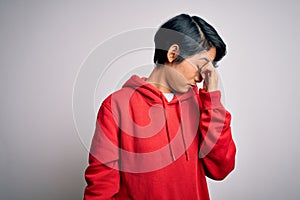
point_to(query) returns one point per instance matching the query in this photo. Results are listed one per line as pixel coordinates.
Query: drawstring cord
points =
(168, 135)
(184, 144)
(182, 135)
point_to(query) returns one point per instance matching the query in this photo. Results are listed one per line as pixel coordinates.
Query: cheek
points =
(189, 74)
(188, 70)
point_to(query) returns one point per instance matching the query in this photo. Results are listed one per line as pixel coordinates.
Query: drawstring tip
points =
(173, 157)
(186, 156)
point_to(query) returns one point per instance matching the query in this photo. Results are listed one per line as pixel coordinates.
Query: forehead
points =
(212, 53)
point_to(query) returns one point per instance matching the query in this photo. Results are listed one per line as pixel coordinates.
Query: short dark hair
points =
(191, 34)
(213, 37)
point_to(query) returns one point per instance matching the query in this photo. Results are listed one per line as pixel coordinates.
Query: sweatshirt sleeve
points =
(217, 148)
(102, 174)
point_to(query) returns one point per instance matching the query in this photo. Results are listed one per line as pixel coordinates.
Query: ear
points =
(173, 52)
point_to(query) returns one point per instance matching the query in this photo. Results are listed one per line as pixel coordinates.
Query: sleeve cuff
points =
(210, 100)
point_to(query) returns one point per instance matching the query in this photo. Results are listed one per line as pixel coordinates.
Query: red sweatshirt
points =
(145, 147)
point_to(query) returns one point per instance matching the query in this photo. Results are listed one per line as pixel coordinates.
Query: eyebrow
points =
(207, 60)
(202, 58)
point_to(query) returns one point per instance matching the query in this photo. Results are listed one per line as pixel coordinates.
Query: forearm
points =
(217, 149)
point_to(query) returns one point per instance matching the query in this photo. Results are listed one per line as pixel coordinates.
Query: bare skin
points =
(192, 70)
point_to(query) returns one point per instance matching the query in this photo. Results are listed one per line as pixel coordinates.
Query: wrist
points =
(210, 99)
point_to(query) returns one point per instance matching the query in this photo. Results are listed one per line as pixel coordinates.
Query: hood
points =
(152, 93)
(155, 96)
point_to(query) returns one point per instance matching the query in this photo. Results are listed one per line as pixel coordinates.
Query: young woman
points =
(160, 137)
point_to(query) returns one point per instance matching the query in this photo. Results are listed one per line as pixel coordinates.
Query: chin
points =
(183, 89)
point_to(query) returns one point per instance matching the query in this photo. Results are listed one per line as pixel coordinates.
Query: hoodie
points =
(145, 147)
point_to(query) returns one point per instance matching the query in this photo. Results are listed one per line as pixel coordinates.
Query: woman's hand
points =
(210, 77)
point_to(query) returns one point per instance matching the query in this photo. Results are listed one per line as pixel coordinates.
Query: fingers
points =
(210, 77)
(207, 69)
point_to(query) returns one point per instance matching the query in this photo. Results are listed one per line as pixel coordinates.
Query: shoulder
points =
(118, 97)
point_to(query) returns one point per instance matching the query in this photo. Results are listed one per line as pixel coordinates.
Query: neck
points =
(158, 79)
(167, 79)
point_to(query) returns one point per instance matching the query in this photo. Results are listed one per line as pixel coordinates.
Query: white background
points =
(43, 44)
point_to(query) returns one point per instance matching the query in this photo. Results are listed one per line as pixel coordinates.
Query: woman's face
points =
(190, 66)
